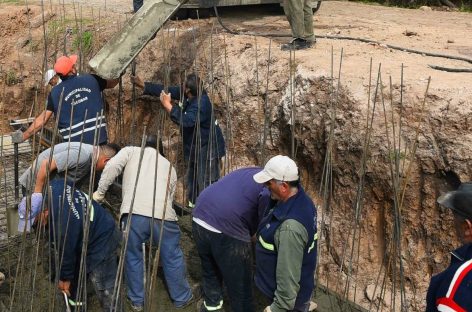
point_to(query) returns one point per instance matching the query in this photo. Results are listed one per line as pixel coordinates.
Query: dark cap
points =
(459, 201)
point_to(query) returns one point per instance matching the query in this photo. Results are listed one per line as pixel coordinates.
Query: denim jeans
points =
(228, 260)
(201, 172)
(171, 258)
(137, 4)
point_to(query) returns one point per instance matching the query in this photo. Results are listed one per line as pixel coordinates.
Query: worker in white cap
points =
(286, 240)
(51, 78)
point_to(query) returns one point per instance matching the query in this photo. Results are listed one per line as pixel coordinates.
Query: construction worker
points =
(51, 78)
(152, 209)
(286, 240)
(203, 140)
(451, 289)
(137, 4)
(225, 218)
(65, 215)
(75, 96)
(300, 17)
(74, 159)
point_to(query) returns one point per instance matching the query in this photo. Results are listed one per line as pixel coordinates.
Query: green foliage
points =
(11, 78)
(84, 42)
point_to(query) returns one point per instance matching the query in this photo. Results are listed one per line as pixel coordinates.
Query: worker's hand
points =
(64, 286)
(98, 197)
(137, 81)
(28, 216)
(165, 98)
(267, 309)
(17, 136)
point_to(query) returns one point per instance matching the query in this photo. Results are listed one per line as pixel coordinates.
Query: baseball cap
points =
(279, 167)
(64, 64)
(459, 201)
(28, 220)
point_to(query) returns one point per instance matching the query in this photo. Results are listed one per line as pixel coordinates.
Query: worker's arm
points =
(106, 83)
(290, 240)
(37, 124)
(113, 169)
(43, 173)
(189, 117)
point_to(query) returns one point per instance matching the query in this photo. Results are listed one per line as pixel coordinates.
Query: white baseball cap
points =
(281, 168)
(48, 76)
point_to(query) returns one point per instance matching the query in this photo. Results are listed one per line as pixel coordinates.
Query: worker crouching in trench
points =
(65, 209)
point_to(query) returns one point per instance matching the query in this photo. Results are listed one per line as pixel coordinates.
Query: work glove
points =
(267, 309)
(98, 197)
(17, 136)
(36, 201)
(312, 306)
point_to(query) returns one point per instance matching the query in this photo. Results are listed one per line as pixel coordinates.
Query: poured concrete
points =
(124, 46)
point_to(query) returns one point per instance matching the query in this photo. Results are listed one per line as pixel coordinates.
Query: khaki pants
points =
(300, 16)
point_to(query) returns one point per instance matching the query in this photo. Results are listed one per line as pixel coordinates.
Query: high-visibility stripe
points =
(213, 308)
(315, 237)
(266, 245)
(81, 123)
(92, 209)
(444, 308)
(92, 213)
(448, 305)
(85, 130)
(75, 304)
(463, 270)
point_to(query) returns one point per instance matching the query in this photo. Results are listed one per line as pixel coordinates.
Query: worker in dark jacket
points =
(222, 230)
(286, 240)
(202, 137)
(65, 216)
(451, 290)
(70, 101)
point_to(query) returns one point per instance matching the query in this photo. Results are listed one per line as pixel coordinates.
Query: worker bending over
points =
(72, 161)
(65, 216)
(152, 209)
(224, 220)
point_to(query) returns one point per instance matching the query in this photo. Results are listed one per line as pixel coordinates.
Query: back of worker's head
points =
(106, 152)
(194, 85)
(460, 202)
(151, 141)
(65, 66)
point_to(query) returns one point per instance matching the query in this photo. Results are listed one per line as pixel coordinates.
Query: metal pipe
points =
(16, 161)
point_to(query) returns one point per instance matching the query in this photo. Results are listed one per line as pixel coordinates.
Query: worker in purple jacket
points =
(225, 218)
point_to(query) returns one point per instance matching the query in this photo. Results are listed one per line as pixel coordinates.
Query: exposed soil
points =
(238, 89)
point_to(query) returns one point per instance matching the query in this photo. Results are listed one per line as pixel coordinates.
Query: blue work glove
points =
(26, 221)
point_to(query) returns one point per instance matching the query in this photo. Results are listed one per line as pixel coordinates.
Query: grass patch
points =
(11, 78)
(83, 41)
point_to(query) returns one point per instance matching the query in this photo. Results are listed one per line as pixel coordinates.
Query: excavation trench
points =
(306, 107)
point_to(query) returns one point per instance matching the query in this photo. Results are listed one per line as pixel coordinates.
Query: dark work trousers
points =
(201, 173)
(224, 260)
(137, 4)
